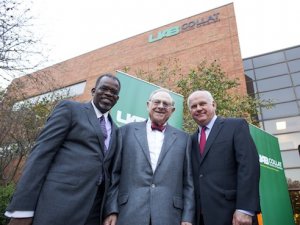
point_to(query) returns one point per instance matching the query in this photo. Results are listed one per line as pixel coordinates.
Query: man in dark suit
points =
(152, 178)
(225, 166)
(68, 171)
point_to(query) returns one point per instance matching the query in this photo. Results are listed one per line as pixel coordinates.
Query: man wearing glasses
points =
(152, 177)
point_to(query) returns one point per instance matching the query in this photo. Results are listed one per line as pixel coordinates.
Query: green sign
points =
(274, 197)
(132, 105)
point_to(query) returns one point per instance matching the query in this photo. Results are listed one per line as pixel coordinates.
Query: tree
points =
(19, 46)
(20, 127)
(22, 118)
(230, 103)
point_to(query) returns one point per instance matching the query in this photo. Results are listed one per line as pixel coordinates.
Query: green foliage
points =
(21, 125)
(230, 103)
(5, 196)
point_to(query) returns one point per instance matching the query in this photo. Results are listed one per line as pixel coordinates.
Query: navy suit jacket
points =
(226, 177)
(63, 172)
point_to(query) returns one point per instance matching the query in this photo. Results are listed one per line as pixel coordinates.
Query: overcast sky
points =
(73, 27)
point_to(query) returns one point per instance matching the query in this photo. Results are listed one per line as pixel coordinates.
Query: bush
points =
(5, 196)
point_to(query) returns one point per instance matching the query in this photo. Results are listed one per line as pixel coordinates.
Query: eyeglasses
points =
(164, 104)
(110, 90)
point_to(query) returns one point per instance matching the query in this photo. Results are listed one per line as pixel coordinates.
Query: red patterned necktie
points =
(202, 140)
(155, 126)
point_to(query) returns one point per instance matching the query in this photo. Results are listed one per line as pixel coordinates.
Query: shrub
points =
(5, 196)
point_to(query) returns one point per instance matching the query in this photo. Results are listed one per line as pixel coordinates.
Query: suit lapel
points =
(212, 136)
(195, 144)
(141, 137)
(169, 139)
(95, 124)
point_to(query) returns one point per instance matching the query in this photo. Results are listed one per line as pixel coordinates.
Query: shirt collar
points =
(210, 124)
(148, 124)
(98, 113)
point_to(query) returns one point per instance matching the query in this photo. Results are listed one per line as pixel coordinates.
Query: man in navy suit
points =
(152, 177)
(68, 170)
(226, 169)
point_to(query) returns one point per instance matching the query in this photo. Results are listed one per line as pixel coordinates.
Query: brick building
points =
(211, 35)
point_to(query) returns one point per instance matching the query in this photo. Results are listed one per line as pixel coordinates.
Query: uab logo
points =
(184, 27)
(127, 118)
(166, 33)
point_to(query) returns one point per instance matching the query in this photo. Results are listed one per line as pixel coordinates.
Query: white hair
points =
(207, 93)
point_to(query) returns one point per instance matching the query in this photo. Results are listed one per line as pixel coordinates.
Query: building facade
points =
(211, 35)
(275, 76)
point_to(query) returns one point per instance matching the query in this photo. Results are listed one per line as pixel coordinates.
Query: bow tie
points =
(157, 127)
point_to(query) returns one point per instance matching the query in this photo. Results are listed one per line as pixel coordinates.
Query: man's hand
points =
(110, 220)
(240, 218)
(20, 221)
(185, 223)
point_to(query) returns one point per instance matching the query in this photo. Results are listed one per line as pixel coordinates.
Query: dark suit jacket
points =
(226, 177)
(167, 195)
(61, 176)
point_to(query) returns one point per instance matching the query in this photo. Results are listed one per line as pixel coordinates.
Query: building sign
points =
(184, 27)
(275, 202)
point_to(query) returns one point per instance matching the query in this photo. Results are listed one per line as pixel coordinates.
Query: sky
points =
(69, 28)
(74, 27)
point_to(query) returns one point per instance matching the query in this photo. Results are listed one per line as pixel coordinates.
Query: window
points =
(289, 141)
(274, 83)
(292, 124)
(294, 66)
(247, 64)
(250, 73)
(293, 53)
(296, 78)
(290, 158)
(297, 90)
(293, 174)
(271, 71)
(278, 96)
(268, 59)
(70, 91)
(280, 110)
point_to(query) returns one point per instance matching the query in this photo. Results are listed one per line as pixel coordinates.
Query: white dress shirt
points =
(155, 141)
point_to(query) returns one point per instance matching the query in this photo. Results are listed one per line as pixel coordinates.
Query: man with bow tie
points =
(152, 178)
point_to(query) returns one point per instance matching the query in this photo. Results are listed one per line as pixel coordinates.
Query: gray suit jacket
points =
(62, 174)
(138, 195)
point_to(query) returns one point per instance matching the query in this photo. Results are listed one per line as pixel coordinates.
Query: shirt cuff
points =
(19, 214)
(246, 212)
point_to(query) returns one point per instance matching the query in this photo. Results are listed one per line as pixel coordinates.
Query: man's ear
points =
(93, 91)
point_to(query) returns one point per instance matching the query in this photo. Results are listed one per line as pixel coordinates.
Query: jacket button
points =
(201, 175)
(153, 185)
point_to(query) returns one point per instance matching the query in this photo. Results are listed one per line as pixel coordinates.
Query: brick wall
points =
(217, 40)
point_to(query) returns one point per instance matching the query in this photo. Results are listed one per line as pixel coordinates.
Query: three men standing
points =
(155, 169)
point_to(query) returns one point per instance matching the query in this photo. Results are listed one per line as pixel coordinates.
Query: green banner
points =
(274, 197)
(132, 105)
